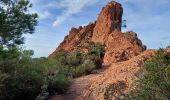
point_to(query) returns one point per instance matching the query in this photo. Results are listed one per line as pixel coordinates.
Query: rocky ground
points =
(93, 87)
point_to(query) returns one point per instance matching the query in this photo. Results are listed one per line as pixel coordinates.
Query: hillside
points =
(124, 56)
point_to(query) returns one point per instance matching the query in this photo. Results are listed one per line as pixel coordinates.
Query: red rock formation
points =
(121, 47)
(75, 39)
(109, 19)
(107, 30)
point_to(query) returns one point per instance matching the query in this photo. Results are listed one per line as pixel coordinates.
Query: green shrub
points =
(74, 59)
(114, 90)
(97, 61)
(77, 71)
(24, 81)
(96, 49)
(58, 83)
(22, 77)
(75, 64)
(88, 65)
(61, 57)
(154, 83)
(131, 37)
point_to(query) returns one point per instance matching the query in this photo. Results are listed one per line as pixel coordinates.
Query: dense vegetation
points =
(15, 21)
(154, 82)
(77, 64)
(23, 78)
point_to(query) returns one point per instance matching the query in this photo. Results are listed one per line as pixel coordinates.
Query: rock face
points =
(109, 20)
(75, 39)
(106, 30)
(122, 46)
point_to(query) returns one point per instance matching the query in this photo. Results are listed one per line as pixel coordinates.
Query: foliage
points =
(131, 37)
(15, 21)
(154, 83)
(88, 66)
(23, 77)
(58, 83)
(114, 90)
(77, 64)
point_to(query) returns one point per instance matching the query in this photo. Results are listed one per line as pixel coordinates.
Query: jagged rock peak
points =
(109, 20)
(76, 38)
(106, 30)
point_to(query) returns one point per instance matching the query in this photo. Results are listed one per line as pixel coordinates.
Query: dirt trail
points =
(76, 89)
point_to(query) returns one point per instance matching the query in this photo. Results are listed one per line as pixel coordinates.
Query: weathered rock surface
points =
(109, 20)
(106, 30)
(122, 46)
(125, 72)
(75, 39)
(93, 87)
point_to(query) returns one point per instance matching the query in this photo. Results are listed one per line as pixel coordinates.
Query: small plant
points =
(130, 36)
(58, 83)
(114, 90)
(88, 65)
(154, 84)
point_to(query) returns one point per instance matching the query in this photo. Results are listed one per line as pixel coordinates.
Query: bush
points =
(88, 66)
(114, 90)
(22, 77)
(154, 83)
(24, 81)
(74, 59)
(131, 37)
(76, 64)
(58, 83)
(61, 57)
(97, 61)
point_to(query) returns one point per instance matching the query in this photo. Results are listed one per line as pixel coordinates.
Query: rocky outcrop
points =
(107, 31)
(109, 20)
(76, 38)
(122, 46)
(121, 75)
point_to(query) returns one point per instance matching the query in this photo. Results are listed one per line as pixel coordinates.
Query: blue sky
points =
(150, 19)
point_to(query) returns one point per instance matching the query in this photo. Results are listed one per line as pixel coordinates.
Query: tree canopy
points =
(15, 20)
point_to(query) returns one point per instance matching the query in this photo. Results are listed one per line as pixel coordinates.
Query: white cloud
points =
(150, 19)
(70, 7)
(44, 15)
(39, 7)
